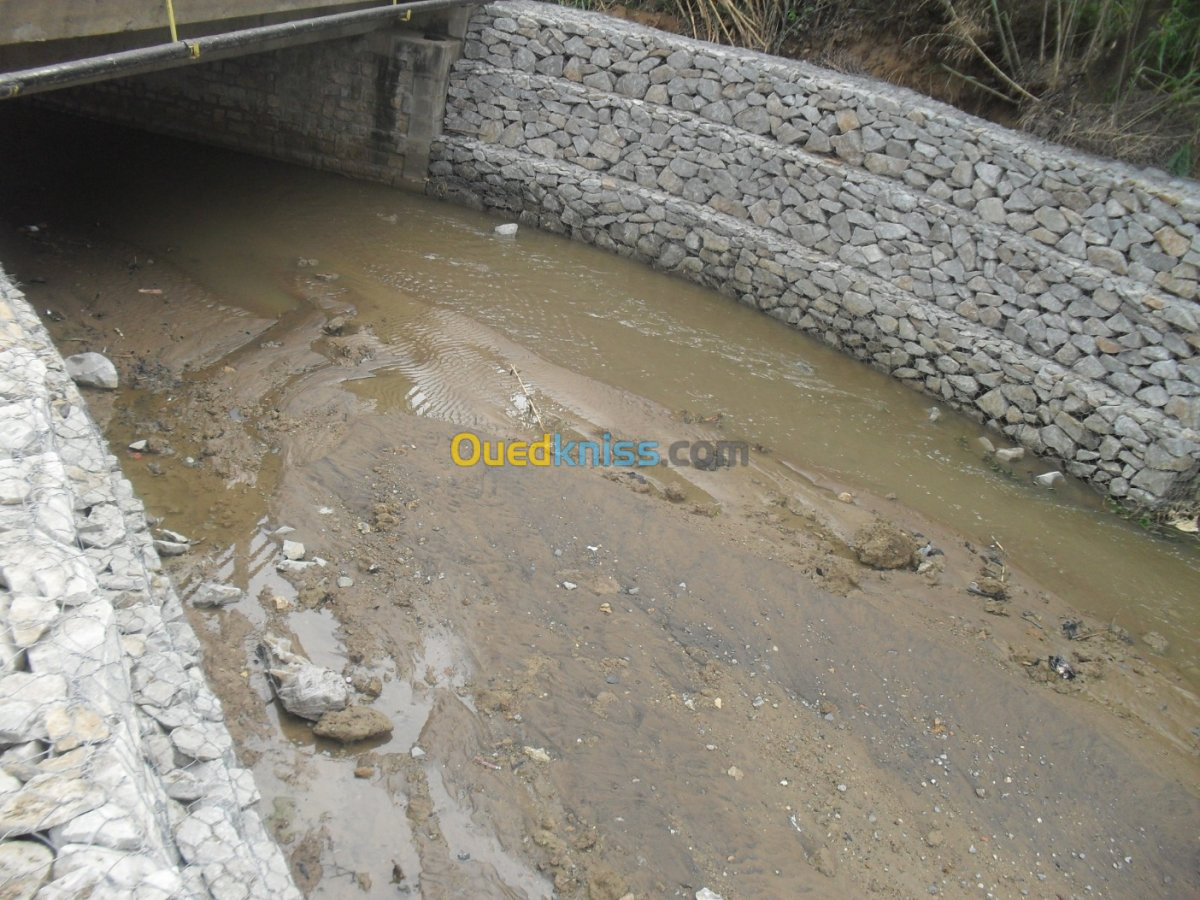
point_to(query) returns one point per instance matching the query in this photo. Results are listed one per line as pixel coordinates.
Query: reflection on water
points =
(425, 276)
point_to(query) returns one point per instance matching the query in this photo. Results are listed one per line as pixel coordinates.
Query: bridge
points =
(50, 46)
(257, 72)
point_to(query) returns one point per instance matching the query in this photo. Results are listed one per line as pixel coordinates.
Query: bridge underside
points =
(47, 47)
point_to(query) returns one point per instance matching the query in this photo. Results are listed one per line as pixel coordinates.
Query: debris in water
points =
(1186, 525)
(507, 230)
(1070, 629)
(305, 690)
(140, 446)
(171, 548)
(569, 585)
(1010, 454)
(988, 587)
(1062, 667)
(487, 764)
(986, 445)
(706, 894)
(934, 413)
(846, 497)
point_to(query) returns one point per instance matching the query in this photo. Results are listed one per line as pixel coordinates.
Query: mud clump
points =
(354, 723)
(881, 545)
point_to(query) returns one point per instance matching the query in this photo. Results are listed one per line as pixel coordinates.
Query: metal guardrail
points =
(232, 43)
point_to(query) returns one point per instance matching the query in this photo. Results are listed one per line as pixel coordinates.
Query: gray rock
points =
(213, 593)
(92, 370)
(305, 690)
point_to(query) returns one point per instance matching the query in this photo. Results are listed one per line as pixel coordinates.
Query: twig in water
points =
(512, 370)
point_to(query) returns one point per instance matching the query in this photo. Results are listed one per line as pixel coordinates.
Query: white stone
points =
(24, 865)
(293, 550)
(34, 564)
(22, 760)
(201, 741)
(68, 727)
(212, 593)
(92, 370)
(206, 836)
(507, 230)
(45, 801)
(24, 697)
(109, 826)
(28, 618)
(109, 871)
(104, 526)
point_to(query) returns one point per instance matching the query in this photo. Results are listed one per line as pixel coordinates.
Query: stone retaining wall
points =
(117, 774)
(1049, 294)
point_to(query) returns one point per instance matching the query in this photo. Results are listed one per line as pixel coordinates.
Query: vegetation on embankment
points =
(1120, 78)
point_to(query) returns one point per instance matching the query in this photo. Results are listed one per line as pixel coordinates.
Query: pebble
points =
(537, 754)
(293, 550)
(345, 581)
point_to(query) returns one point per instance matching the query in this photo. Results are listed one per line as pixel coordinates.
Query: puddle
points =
(471, 842)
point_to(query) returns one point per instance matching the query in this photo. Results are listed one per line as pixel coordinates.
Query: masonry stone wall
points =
(1047, 293)
(363, 106)
(117, 774)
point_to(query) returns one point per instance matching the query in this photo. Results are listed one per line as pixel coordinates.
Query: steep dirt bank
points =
(726, 697)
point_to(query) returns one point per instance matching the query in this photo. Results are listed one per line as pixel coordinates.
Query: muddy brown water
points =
(438, 287)
(725, 723)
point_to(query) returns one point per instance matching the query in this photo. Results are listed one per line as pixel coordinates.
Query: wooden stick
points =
(512, 370)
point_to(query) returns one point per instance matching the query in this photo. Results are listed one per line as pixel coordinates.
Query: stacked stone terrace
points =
(117, 774)
(1050, 294)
